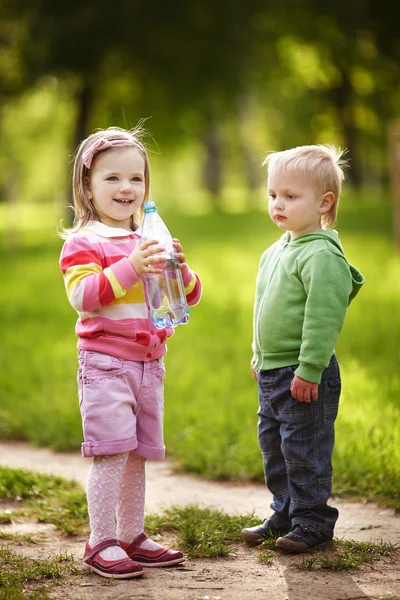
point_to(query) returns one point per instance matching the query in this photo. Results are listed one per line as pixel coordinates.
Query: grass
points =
(18, 538)
(199, 532)
(26, 578)
(51, 499)
(349, 554)
(210, 397)
(343, 555)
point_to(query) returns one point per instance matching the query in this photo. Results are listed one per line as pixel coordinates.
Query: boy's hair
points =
(324, 164)
(96, 143)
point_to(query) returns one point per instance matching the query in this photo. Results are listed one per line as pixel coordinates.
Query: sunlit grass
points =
(18, 538)
(210, 396)
(51, 499)
(24, 577)
(201, 532)
(349, 554)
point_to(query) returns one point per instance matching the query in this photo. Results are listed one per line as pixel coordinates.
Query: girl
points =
(120, 355)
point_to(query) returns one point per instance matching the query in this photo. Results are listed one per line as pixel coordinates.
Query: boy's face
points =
(295, 204)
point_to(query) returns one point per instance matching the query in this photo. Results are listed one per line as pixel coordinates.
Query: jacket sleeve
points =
(328, 284)
(89, 286)
(193, 287)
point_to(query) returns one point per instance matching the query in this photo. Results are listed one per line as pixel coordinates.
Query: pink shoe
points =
(125, 568)
(163, 557)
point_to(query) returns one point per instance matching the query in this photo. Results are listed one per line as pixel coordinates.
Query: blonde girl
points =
(120, 354)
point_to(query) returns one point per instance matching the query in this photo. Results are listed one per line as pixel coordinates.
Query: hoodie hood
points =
(323, 234)
(331, 236)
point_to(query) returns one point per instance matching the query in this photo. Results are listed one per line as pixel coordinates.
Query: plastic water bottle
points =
(165, 292)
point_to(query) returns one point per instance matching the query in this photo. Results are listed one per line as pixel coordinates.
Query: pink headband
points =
(103, 144)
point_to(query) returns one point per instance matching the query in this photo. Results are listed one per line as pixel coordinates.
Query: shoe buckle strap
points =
(136, 543)
(100, 546)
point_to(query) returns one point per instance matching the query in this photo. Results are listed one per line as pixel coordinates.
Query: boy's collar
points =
(109, 232)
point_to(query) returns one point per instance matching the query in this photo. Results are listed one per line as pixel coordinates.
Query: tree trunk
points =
(249, 158)
(12, 233)
(251, 166)
(394, 155)
(212, 167)
(342, 98)
(84, 101)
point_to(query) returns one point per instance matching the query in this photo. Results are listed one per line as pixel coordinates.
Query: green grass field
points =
(210, 396)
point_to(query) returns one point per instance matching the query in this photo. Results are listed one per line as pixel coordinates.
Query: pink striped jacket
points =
(108, 294)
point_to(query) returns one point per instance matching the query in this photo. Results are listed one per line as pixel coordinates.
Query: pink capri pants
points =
(122, 405)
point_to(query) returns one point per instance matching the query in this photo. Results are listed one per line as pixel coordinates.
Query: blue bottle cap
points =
(149, 206)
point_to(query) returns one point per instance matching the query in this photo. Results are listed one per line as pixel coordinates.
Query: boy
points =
(303, 289)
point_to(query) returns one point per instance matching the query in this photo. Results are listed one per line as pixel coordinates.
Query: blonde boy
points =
(304, 286)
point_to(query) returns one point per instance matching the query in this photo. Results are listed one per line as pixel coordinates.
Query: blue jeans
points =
(296, 441)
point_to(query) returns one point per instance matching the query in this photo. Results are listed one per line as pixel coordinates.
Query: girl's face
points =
(295, 204)
(117, 186)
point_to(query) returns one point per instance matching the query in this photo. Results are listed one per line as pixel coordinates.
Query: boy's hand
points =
(143, 257)
(179, 254)
(254, 373)
(304, 391)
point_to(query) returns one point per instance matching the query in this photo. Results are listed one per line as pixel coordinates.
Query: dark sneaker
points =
(303, 539)
(266, 531)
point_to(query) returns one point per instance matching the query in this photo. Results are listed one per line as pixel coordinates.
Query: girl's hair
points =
(98, 142)
(324, 165)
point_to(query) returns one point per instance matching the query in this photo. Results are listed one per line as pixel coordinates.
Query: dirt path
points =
(240, 577)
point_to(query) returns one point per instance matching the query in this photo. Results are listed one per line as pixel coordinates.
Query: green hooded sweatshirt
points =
(303, 289)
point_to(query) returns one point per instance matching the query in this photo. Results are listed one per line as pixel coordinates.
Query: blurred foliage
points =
(222, 82)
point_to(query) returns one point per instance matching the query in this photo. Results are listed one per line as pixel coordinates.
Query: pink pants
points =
(122, 405)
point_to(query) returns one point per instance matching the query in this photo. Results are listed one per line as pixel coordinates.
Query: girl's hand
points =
(304, 391)
(143, 259)
(179, 254)
(254, 373)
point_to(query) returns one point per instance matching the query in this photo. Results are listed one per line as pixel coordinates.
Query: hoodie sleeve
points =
(328, 286)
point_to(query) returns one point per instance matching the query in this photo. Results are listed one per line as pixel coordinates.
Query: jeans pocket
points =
(160, 372)
(332, 390)
(80, 385)
(102, 366)
(266, 387)
(274, 385)
(157, 370)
